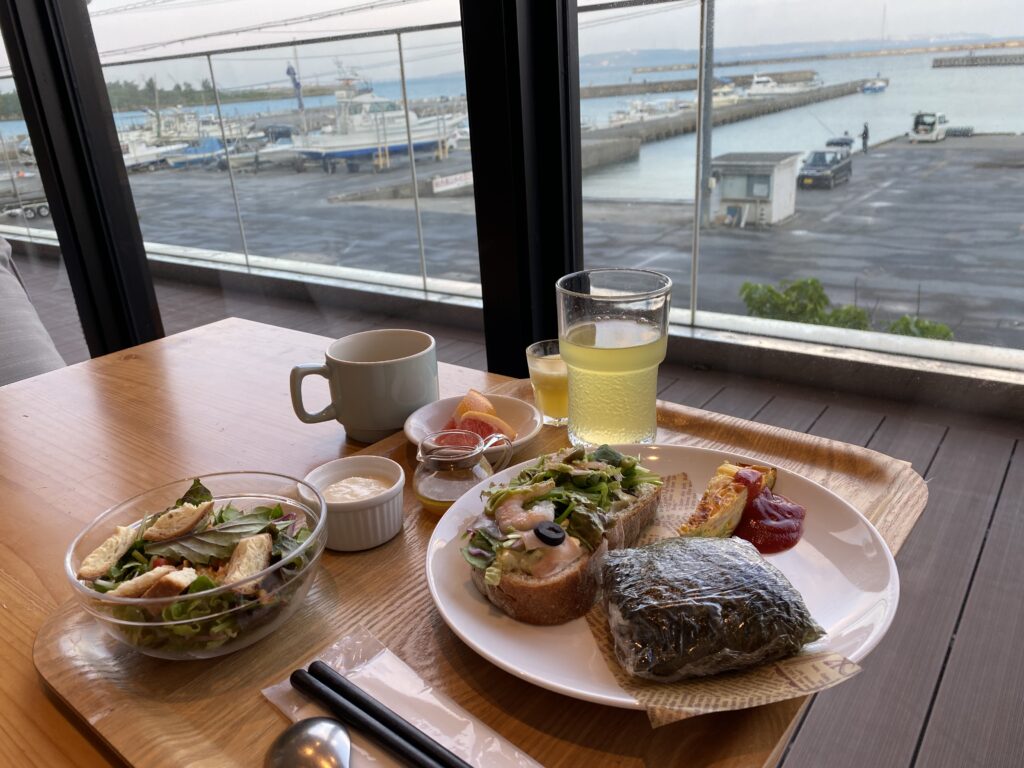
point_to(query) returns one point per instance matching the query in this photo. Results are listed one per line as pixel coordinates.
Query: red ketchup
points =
(770, 522)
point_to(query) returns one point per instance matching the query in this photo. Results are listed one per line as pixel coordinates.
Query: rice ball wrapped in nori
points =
(689, 607)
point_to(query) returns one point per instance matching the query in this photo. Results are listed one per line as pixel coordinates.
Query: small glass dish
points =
(218, 621)
(451, 462)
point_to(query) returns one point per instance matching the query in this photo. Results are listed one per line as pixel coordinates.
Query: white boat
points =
(725, 95)
(878, 85)
(762, 86)
(642, 110)
(371, 126)
(138, 154)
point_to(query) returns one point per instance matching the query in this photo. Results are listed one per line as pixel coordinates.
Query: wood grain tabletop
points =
(75, 441)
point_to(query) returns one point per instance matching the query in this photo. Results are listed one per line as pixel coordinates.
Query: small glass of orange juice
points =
(550, 380)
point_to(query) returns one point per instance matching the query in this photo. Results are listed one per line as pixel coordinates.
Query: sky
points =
(130, 29)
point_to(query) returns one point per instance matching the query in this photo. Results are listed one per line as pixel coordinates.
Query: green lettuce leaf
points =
(219, 541)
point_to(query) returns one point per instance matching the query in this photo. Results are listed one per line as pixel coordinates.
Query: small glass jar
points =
(451, 462)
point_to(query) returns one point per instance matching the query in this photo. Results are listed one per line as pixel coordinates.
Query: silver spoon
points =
(316, 742)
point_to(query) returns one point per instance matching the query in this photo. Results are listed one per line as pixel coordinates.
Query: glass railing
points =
(294, 159)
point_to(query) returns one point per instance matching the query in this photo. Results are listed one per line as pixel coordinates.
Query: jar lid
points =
(450, 449)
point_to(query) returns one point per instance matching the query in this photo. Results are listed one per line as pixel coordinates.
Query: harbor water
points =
(988, 99)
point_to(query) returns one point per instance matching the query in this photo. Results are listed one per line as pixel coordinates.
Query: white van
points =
(928, 126)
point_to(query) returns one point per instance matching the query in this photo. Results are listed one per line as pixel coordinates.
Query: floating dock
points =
(689, 84)
(999, 60)
(658, 128)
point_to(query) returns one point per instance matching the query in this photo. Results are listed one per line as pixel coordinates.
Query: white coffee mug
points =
(377, 378)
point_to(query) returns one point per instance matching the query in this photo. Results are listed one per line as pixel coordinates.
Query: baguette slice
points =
(251, 555)
(178, 521)
(629, 523)
(140, 584)
(559, 598)
(173, 583)
(101, 559)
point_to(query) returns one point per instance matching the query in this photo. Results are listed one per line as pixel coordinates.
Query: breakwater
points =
(658, 128)
(1001, 60)
(687, 84)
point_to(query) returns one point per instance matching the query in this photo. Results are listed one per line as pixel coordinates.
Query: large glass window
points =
(325, 149)
(25, 223)
(638, 121)
(862, 180)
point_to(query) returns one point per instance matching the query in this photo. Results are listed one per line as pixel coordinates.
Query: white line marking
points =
(861, 199)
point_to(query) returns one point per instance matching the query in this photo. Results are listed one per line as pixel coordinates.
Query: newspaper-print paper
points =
(666, 703)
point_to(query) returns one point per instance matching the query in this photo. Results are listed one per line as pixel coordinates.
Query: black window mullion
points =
(522, 83)
(64, 98)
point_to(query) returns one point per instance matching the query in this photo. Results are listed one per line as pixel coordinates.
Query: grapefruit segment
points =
(475, 402)
(486, 424)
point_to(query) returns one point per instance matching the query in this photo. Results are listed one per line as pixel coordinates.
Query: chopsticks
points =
(353, 706)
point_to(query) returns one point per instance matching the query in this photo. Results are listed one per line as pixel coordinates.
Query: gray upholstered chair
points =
(26, 349)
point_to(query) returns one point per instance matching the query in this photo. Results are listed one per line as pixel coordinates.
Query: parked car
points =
(826, 168)
(928, 126)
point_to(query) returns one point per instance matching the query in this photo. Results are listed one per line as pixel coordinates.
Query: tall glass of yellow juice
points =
(613, 333)
(550, 380)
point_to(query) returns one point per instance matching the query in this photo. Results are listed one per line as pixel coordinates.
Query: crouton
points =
(173, 583)
(101, 559)
(178, 521)
(251, 555)
(137, 587)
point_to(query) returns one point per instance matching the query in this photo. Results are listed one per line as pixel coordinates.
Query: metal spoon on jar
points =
(314, 743)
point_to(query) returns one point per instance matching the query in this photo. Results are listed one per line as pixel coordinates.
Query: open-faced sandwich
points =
(532, 551)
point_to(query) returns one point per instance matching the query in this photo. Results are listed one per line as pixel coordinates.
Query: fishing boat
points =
(371, 126)
(138, 155)
(199, 152)
(762, 86)
(878, 85)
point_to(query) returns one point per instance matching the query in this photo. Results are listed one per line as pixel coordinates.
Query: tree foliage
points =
(805, 301)
(801, 301)
(921, 328)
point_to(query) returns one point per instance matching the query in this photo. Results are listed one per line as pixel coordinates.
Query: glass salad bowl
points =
(216, 613)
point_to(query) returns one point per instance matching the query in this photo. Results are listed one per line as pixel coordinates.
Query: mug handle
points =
(300, 372)
(506, 454)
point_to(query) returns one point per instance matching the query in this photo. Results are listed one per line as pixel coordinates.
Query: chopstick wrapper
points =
(800, 675)
(367, 663)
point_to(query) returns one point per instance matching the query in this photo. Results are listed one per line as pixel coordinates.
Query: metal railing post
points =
(227, 157)
(412, 165)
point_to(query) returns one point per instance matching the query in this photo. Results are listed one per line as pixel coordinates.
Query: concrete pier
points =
(688, 84)
(1005, 60)
(658, 128)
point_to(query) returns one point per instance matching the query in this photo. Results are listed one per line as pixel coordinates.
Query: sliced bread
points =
(559, 598)
(251, 555)
(178, 521)
(140, 584)
(627, 524)
(106, 554)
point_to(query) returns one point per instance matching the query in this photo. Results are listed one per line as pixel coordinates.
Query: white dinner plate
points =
(841, 566)
(524, 418)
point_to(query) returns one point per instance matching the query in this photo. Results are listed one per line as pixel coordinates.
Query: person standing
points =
(864, 139)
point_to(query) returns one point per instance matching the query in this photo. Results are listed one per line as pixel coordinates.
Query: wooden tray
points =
(211, 712)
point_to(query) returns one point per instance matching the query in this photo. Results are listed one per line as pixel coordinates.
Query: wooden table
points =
(74, 441)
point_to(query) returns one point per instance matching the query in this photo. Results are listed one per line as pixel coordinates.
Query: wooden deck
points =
(945, 687)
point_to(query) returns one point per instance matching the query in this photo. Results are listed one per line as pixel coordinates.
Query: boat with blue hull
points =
(368, 126)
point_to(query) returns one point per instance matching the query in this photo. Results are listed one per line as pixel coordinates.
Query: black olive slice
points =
(551, 534)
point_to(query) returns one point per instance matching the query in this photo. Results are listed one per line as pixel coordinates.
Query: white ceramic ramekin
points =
(367, 523)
